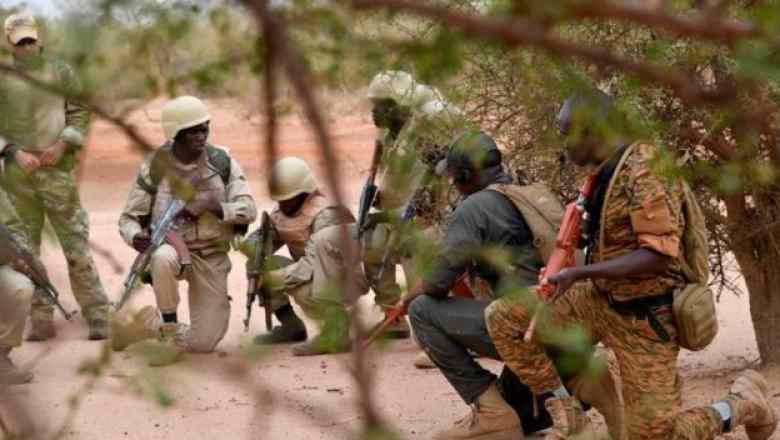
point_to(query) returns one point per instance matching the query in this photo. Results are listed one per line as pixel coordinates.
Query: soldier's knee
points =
(420, 309)
(164, 259)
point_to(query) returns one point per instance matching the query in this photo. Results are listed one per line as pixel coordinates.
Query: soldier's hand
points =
(198, 207)
(21, 266)
(52, 155)
(564, 280)
(142, 241)
(28, 162)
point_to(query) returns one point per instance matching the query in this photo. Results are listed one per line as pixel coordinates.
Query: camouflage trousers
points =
(651, 386)
(51, 193)
(207, 295)
(323, 295)
(16, 290)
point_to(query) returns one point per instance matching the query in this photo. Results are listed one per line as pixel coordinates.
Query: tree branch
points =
(521, 32)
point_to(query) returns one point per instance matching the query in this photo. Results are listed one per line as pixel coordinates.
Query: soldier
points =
(40, 137)
(635, 253)
(219, 206)
(308, 224)
(418, 126)
(16, 291)
(490, 219)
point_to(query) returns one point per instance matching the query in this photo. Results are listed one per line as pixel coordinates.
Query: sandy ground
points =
(310, 398)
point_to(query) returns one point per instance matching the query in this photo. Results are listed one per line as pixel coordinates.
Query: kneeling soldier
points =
(488, 224)
(219, 206)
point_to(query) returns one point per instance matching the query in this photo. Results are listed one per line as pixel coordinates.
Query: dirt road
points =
(311, 398)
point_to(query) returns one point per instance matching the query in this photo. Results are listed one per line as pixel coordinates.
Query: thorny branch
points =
(281, 48)
(523, 32)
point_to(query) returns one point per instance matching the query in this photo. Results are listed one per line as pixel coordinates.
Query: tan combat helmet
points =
(20, 26)
(393, 84)
(291, 177)
(182, 113)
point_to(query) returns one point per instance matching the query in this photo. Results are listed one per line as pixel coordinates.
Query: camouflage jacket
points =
(408, 163)
(12, 221)
(34, 119)
(643, 210)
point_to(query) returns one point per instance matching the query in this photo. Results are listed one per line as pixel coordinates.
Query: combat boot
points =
(491, 418)
(10, 374)
(167, 350)
(750, 406)
(41, 330)
(334, 337)
(291, 330)
(129, 328)
(568, 418)
(98, 329)
(423, 361)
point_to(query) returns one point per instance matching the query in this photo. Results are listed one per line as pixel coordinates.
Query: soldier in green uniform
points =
(623, 296)
(40, 135)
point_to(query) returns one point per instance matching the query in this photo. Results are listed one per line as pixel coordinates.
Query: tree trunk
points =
(763, 284)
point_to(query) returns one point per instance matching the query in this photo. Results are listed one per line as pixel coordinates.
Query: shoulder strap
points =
(220, 160)
(608, 193)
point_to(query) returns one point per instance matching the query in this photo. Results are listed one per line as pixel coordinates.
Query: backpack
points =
(541, 210)
(694, 305)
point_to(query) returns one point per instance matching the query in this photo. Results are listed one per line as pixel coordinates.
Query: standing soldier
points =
(40, 136)
(496, 217)
(418, 127)
(636, 264)
(219, 206)
(16, 291)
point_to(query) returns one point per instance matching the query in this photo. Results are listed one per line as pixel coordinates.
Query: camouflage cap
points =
(21, 26)
(473, 150)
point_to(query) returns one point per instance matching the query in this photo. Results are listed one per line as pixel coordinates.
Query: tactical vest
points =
(208, 231)
(297, 229)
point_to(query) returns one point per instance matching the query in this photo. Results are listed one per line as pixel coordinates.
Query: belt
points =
(646, 308)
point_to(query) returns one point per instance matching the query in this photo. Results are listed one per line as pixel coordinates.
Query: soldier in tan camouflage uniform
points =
(16, 291)
(634, 265)
(40, 135)
(219, 206)
(418, 127)
(304, 221)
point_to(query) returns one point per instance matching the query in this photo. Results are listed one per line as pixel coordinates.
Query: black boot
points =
(291, 330)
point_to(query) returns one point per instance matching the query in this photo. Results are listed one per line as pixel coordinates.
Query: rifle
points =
(460, 289)
(162, 231)
(11, 251)
(262, 252)
(563, 255)
(369, 190)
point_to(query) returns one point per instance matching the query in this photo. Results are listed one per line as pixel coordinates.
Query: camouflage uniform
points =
(643, 211)
(208, 238)
(313, 237)
(408, 163)
(16, 290)
(32, 120)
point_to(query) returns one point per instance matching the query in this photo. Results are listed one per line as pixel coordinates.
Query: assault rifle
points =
(12, 252)
(262, 252)
(369, 190)
(162, 231)
(564, 254)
